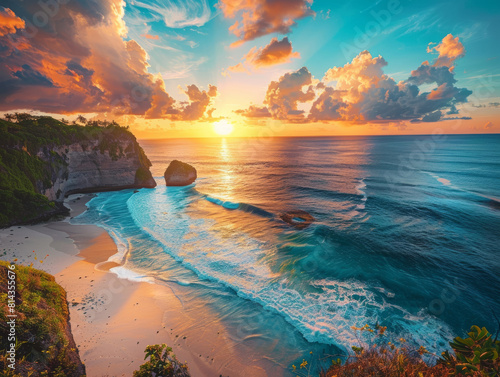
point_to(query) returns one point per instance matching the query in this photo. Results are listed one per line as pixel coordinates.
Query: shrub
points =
(162, 362)
(476, 356)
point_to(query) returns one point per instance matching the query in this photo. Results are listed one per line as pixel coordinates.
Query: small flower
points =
(303, 364)
(294, 367)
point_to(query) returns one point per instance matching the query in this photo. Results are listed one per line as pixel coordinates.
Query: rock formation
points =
(179, 174)
(297, 218)
(90, 168)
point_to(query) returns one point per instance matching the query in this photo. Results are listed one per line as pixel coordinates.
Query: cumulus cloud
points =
(9, 22)
(78, 61)
(261, 17)
(284, 95)
(360, 91)
(449, 50)
(199, 100)
(276, 52)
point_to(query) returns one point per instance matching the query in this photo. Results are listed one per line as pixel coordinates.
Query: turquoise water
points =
(407, 235)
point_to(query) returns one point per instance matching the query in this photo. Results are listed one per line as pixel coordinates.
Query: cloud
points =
(238, 68)
(199, 100)
(283, 97)
(255, 112)
(261, 17)
(79, 62)
(9, 22)
(488, 125)
(491, 104)
(276, 52)
(178, 14)
(149, 36)
(449, 49)
(328, 106)
(360, 91)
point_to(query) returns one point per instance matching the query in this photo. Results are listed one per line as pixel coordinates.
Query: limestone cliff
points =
(90, 167)
(43, 160)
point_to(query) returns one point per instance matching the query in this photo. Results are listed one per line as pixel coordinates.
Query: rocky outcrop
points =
(41, 309)
(297, 218)
(91, 167)
(179, 174)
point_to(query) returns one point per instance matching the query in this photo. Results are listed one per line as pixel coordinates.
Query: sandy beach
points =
(114, 319)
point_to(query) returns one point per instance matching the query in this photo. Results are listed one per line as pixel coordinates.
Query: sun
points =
(223, 127)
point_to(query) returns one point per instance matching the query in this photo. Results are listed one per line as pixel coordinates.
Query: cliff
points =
(45, 344)
(42, 160)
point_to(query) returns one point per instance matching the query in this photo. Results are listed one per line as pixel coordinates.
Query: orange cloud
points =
(360, 91)
(262, 17)
(283, 97)
(9, 22)
(443, 91)
(276, 52)
(149, 36)
(237, 68)
(450, 49)
(82, 71)
(255, 112)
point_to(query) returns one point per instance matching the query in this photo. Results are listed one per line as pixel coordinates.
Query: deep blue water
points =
(407, 235)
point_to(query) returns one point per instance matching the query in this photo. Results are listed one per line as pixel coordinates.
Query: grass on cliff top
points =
(43, 344)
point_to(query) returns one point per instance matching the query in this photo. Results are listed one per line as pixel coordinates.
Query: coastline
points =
(114, 319)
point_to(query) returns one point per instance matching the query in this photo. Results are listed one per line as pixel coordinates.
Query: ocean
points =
(407, 235)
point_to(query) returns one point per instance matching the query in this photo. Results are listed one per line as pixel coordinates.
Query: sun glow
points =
(223, 127)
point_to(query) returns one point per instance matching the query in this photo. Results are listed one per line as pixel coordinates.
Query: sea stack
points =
(179, 174)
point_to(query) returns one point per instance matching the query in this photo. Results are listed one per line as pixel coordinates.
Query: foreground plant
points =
(162, 362)
(477, 355)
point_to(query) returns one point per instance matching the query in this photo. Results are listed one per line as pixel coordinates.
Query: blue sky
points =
(401, 37)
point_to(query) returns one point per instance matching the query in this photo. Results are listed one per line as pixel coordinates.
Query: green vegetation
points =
(162, 362)
(476, 355)
(45, 346)
(29, 164)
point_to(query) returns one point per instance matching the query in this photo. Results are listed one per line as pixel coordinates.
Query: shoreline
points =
(113, 319)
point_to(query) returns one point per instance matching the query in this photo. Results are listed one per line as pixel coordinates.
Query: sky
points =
(256, 68)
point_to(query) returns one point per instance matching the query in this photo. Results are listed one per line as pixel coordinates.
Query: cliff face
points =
(43, 160)
(88, 167)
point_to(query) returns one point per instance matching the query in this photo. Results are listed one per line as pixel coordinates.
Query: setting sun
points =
(223, 127)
